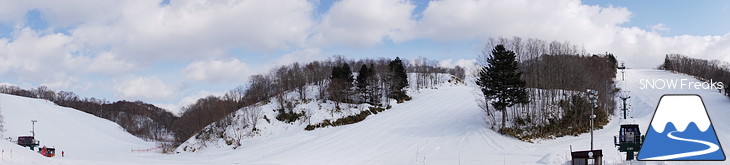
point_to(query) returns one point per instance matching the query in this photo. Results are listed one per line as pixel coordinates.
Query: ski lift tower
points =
(29, 141)
(623, 70)
(629, 138)
(33, 130)
(624, 95)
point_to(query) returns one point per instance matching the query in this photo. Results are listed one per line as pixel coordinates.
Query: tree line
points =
(704, 70)
(556, 77)
(376, 82)
(338, 80)
(138, 118)
(427, 73)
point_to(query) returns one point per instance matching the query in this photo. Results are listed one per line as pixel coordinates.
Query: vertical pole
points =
(624, 100)
(33, 130)
(593, 95)
(623, 68)
(624, 96)
(630, 155)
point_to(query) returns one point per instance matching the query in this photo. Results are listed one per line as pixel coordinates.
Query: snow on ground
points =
(445, 126)
(439, 126)
(84, 138)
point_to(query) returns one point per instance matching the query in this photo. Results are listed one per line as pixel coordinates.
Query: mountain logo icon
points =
(681, 130)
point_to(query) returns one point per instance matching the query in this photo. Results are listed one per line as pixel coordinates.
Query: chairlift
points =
(629, 138)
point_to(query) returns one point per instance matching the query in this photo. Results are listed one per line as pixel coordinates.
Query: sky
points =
(172, 52)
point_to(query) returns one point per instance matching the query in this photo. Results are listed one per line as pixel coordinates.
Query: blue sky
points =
(702, 17)
(172, 52)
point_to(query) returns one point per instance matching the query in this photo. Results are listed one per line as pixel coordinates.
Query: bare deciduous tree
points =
(251, 116)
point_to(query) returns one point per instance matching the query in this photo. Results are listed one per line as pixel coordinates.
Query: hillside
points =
(438, 126)
(234, 129)
(445, 126)
(83, 137)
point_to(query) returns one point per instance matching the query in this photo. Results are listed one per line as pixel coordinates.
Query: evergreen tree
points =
(500, 82)
(667, 63)
(343, 73)
(375, 89)
(340, 83)
(612, 59)
(347, 74)
(399, 78)
(364, 80)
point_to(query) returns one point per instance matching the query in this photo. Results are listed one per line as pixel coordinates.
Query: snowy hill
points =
(81, 136)
(445, 126)
(439, 126)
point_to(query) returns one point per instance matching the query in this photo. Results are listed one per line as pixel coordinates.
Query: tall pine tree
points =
(667, 63)
(500, 82)
(400, 80)
(362, 77)
(363, 81)
(340, 84)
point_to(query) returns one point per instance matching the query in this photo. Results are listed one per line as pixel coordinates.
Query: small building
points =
(28, 141)
(594, 157)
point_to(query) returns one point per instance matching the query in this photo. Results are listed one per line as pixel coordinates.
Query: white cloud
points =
(59, 13)
(34, 55)
(13, 10)
(231, 70)
(143, 88)
(7, 84)
(561, 20)
(62, 81)
(364, 23)
(110, 37)
(108, 63)
(42, 59)
(53, 60)
(598, 29)
(467, 64)
(659, 28)
(302, 56)
(188, 100)
(188, 30)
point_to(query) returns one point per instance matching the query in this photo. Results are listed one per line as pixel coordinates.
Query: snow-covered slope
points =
(14, 154)
(83, 137)
(445, 126)
(439, 126)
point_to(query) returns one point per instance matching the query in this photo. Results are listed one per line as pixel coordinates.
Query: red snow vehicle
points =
(47, 152)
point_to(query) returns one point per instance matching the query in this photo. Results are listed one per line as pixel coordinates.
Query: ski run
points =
(438, 126)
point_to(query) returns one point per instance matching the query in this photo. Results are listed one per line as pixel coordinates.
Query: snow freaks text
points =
(679, 84)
